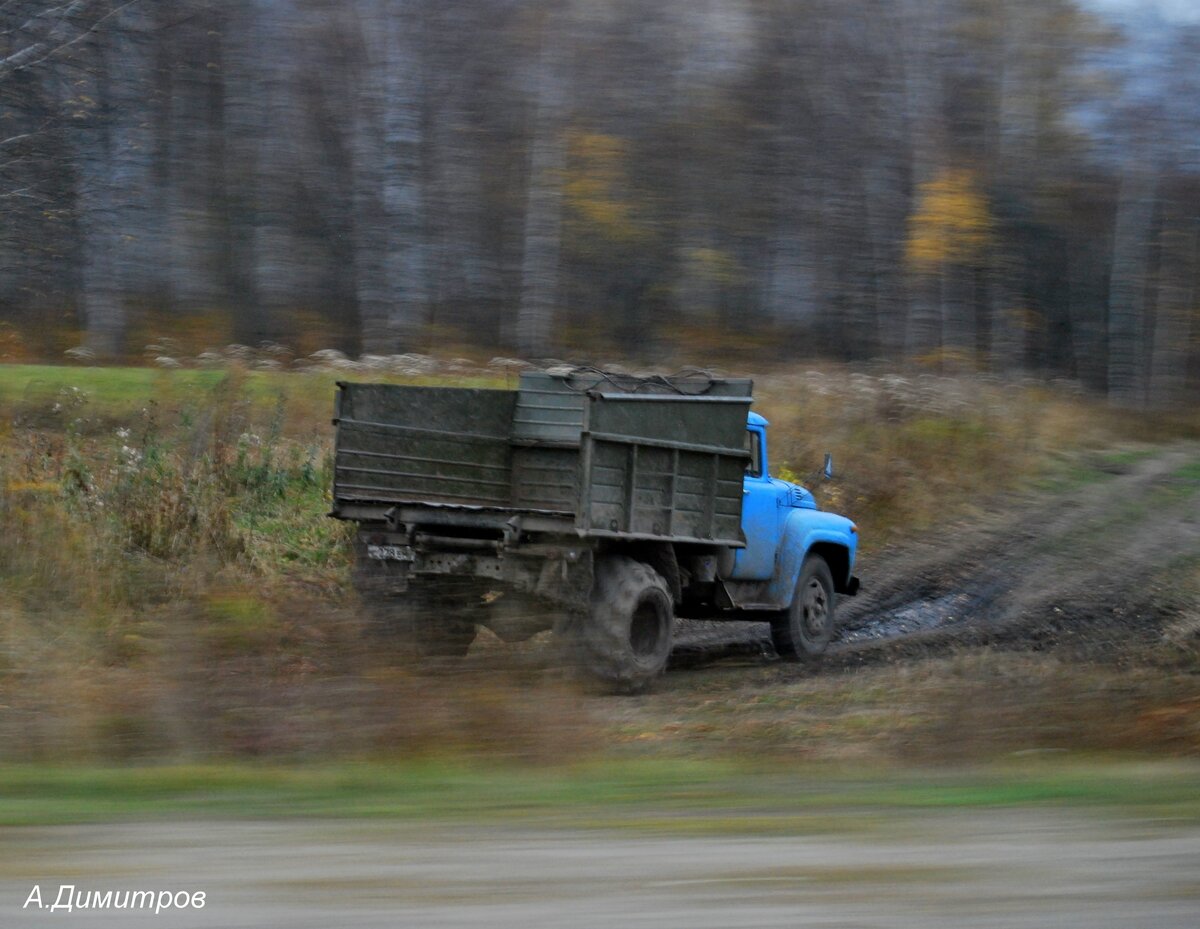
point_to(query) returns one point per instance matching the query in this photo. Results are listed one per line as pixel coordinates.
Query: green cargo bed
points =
(612, 456)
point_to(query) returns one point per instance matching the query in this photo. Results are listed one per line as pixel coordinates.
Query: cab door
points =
(762, 514)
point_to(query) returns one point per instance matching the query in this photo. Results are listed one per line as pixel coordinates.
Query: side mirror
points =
(828, 466)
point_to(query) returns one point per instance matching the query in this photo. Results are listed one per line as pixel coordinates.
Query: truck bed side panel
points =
(423, 444)
(546, 478)
(664, 467)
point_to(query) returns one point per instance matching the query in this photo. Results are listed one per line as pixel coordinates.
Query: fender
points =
(802, 529)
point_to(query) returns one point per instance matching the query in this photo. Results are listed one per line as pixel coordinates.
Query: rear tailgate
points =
(399, 444)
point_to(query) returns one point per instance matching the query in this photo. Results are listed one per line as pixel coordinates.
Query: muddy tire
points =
(804, 629)
(626, 638)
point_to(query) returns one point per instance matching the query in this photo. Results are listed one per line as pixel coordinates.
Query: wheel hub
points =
(645, 630)
(816, 608)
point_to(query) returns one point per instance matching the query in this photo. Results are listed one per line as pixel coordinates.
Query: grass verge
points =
(715, 796)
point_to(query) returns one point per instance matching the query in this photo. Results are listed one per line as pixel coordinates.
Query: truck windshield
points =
(754, 447)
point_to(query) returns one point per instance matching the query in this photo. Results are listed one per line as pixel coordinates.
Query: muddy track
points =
(1080, 569)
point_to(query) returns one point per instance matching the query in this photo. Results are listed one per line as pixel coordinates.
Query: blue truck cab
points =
(796, 558)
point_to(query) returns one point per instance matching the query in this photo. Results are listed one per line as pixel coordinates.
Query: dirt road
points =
(982, 869)
(1081, 567)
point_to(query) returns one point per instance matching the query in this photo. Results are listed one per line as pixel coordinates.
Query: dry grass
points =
(973, 706)
(171, 588)
(911, 450)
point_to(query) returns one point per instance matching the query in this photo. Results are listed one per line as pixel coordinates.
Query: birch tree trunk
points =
(1006, 327)
(115, 183)
(1176, 298)
(543, 203)
(1127, 286)
(921, 42)
(925, 314)
(390, 236)
(282, 266)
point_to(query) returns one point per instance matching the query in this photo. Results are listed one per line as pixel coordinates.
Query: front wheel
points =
(805, 628)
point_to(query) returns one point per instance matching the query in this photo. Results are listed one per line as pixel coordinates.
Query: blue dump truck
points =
(600, 505)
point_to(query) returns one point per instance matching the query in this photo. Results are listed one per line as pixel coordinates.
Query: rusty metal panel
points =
(644, 465)
(430, 444)
(548, 411)
(546, 478)
(712, 423)
(665, 467)
(550, 407)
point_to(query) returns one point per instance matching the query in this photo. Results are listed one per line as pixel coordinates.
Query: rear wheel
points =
(627, 636)
(805, 628)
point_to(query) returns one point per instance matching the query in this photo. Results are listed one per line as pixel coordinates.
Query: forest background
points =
(978, 185)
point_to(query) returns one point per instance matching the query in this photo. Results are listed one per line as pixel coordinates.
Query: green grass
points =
(119, 391)
(1189, 472)
(715, 796)
(1123, 459)
(108, 389)
(1077, 470)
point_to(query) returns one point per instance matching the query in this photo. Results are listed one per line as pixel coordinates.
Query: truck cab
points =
(796, 556)
(777, 514)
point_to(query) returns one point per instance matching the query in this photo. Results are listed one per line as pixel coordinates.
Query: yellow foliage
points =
(714, 265)
(948, 359)
(189, 333)
(12, 344)
(952, 223)
(596, 187)
(45, 336)
(38, 487)
(307, 331)
(1024, 319)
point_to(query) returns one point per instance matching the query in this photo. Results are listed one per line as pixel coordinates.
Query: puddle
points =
(915, 616)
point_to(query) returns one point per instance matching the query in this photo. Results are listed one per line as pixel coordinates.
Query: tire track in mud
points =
(1038, 569)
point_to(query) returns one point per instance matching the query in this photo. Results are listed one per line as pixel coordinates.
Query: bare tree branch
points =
(55, 41)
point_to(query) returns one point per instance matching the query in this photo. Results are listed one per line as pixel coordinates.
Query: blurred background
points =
(956, 243)
(1001, 185)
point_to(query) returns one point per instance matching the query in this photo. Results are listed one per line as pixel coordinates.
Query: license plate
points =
(390, 553)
